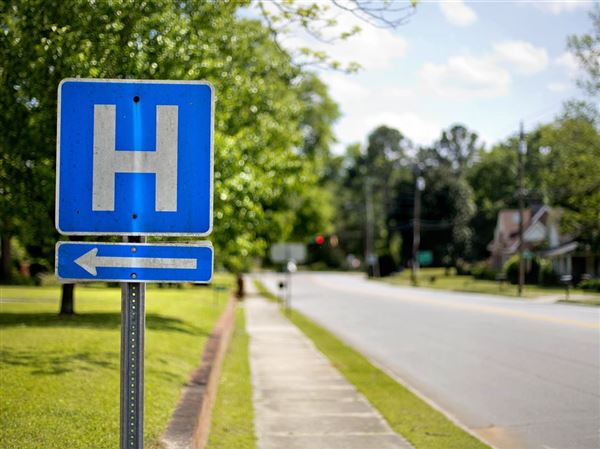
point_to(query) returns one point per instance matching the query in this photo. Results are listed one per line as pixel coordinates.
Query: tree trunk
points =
(240, 287)
(67, 299)
(5, 269)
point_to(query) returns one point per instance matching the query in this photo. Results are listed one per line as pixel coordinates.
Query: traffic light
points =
(319, 239)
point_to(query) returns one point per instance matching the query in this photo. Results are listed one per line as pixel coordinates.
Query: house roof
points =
(506, 235)
(530, 228)
(561, 250)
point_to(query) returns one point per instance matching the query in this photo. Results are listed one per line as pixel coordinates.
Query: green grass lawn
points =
(407, 414)
(584, 302)
(232, 424)
(59, 376)
(436, 278)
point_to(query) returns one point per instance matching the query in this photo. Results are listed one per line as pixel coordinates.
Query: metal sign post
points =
(134, 158)
(133, 326)
(290, 268)
(133, 321)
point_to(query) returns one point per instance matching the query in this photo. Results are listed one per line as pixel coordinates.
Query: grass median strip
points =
(407, 414)
(233, 415)
(59, 376)
(582, 302)
(438, 278)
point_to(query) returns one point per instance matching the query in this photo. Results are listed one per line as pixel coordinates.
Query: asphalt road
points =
(516, 373)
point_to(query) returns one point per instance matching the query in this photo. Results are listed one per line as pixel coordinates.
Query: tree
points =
(586, 48)
(572, 174)
(379, 164)
(320, 20)
(446, 211)
(448, 200)
(560, 171)
(446, 165)
(320, 112)
(348, 190)
(263, 106)
(494, 182)
(385, 155)
(457, 148)
(581, 110)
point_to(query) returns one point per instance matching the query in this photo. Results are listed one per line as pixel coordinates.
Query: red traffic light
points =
(319, 239)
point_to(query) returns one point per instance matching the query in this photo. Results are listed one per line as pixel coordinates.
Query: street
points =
(516, 373)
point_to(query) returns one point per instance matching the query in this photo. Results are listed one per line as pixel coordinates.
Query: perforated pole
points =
(133, 322)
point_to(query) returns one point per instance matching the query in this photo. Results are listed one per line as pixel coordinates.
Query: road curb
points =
(453, 419)
(189, 425)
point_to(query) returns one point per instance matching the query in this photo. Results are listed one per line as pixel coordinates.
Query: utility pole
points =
(522, 153)
(419, 187)
(370, 257)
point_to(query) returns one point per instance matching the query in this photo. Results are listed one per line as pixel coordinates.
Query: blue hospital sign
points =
(134, 157)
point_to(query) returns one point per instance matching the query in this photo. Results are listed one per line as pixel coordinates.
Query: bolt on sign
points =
(135, 159)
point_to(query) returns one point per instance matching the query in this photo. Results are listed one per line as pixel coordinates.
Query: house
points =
(542, 238)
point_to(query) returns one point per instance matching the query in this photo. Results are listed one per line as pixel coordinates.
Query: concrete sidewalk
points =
(300, 400)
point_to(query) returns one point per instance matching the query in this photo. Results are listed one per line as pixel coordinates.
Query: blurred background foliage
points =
(273, 119)
(276, 178)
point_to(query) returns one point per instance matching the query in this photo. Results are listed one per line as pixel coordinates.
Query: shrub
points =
(546, 275)
(319, 266)
(18, 279)
(463, 268)
(387, 265)
(481, 270)
(590, 284)
(511, 268)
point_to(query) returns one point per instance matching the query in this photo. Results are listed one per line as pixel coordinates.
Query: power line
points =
(532, 117)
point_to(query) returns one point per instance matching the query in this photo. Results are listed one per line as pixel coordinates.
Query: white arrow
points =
(90, 261)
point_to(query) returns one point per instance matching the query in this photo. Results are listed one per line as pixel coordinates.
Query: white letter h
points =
(108, 161)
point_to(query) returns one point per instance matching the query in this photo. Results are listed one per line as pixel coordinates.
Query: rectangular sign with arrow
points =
(134, 262)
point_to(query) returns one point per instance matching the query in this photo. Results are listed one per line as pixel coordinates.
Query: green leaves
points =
(264, 107)
(586, 48)
(572, 173)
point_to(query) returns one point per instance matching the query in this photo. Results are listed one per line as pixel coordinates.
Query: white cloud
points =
(373, 48)
(557, 7)
(569, 62)
(420, 130)
(526, 57)
(356, 125)
(367, 105)
(558, 87)
(457, 12)
(467, 77)
(344, 88)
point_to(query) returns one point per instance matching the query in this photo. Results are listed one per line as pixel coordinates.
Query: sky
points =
(487, 65)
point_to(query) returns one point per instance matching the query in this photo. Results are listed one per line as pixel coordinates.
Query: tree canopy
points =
(269, 112)
(275, 177)
(572, 176)
(586, 48)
